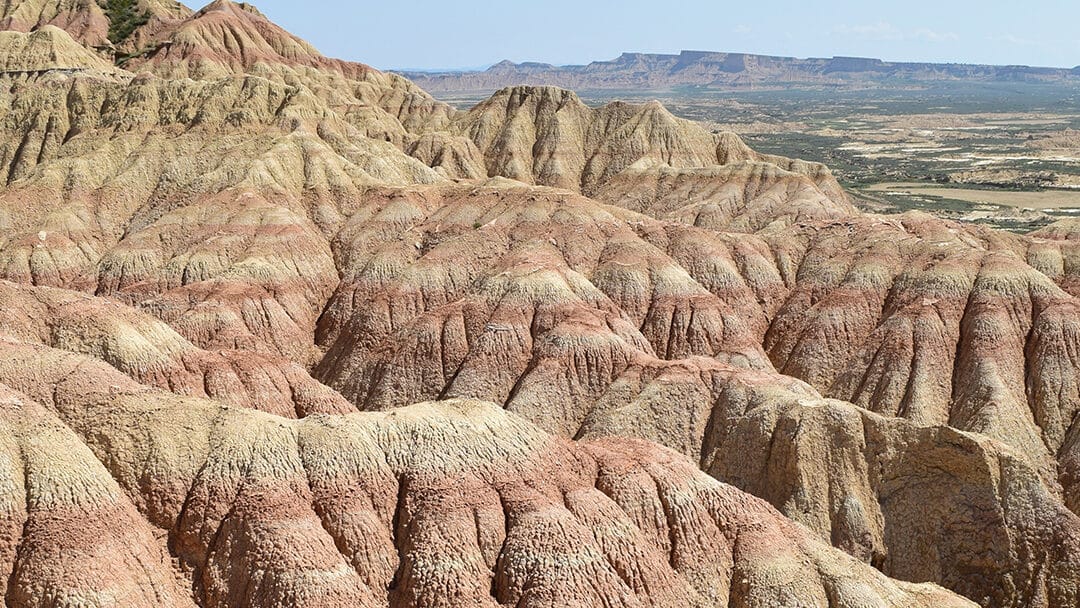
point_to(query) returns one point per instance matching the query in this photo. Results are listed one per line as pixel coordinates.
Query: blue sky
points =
(473, 33)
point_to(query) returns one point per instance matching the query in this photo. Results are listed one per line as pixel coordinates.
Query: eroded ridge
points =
(449, 503)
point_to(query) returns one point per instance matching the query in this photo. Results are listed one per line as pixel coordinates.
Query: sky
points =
(436, 34)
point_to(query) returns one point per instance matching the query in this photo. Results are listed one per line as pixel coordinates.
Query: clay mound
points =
(91, 22)
(233, 272)
(84, 20)
(229, 39)
(70, 534)
(54, 122)
(1067, 229)
(487, 291)
(45, 49)
(619, 299)
(153, 18)
(548, 136)
(741, 196)
(261, 511)
(152, 353)
(638, 156)
(1055, 251)
(87, 160)
(226, 38)
(918, 319)
(819, 173)
(452, 156)
(921, 503)
(79, 388)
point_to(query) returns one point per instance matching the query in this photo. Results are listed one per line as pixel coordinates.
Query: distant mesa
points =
(46, 48)
(854, 64)
(727, 70)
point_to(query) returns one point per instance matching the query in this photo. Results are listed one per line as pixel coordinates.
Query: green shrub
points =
(124, 18)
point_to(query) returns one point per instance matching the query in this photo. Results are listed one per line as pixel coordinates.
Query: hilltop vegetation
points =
(125, 16)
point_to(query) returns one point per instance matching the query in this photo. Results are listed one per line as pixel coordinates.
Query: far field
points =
(1034, 199)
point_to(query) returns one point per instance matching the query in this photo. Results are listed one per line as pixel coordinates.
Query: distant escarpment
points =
(283, 330)
(644, 71)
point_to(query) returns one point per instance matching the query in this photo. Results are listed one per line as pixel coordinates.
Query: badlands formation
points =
(282, 330)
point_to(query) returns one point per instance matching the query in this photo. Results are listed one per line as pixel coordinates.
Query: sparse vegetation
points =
(124, 18)
(122, 59)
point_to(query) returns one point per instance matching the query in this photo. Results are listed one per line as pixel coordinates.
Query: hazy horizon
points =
(478, 33)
